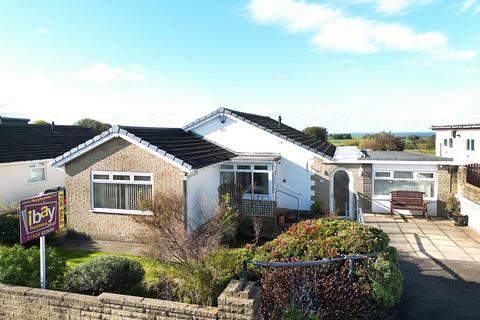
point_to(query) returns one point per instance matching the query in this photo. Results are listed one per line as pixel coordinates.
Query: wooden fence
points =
(473, 174)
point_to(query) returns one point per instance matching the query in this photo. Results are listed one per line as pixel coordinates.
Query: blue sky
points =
(349, 65)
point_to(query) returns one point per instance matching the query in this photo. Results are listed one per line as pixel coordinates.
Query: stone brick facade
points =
(114, 155)
(362, 182)
(445, 188)
(239, 301)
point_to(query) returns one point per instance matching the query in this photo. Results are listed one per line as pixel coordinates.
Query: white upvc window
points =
(37, 172)
(255, 178)
(404, 180)
(120, 192)
(471, 144)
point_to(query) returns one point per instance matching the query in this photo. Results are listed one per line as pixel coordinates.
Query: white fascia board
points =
(446, 163)
(78, 151)
(27, 161)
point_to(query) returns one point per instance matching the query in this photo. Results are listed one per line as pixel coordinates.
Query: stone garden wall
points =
(239, 301)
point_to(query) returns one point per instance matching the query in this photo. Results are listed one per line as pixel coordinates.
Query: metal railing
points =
(291, 195)
(350, 258)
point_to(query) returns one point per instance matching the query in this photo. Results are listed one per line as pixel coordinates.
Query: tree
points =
(40, 122)
(320, 133)
(97, 126)
(382, 141)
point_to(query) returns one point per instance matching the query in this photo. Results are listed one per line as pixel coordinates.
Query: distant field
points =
(344, 142)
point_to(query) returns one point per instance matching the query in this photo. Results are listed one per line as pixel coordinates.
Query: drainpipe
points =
(185, 212)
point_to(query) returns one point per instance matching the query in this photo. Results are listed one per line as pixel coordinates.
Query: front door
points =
(341, 193)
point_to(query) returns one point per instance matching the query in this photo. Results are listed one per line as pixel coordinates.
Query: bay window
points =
(255, 179)
(120, 192)
(388, 181)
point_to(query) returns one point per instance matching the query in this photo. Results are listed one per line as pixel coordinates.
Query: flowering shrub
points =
(378, 283)
(324, 292)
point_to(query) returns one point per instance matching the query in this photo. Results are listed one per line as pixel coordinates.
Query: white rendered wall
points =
(202, 194)
(471, 209)
(14, 184)
(459, 151)
(294, 169)
(381, 204)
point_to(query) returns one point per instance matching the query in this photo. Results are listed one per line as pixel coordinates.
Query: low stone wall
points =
(239, 301)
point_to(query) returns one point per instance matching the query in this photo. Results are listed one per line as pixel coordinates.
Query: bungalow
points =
(274, 163)
(27, 150)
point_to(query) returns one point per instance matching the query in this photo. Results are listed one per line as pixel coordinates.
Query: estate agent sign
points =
(41, 215)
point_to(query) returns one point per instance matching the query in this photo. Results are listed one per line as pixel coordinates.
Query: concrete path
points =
(416, 237)
(101, 246)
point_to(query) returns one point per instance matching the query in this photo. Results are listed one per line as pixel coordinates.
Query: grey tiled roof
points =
(26, 142)
(283, 131)
(185, 148)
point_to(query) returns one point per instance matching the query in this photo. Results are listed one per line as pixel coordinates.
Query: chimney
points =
(279, 121)
(53, 126)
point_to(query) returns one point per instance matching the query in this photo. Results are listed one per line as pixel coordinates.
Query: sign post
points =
(40, 216)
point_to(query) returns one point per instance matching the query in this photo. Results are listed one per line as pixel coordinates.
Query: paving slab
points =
(418, 237)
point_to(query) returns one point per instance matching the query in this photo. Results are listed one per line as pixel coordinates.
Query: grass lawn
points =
(153, 268)
(345, 142)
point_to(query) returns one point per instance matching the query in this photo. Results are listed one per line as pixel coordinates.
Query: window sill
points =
(121, 212)
(36, 182)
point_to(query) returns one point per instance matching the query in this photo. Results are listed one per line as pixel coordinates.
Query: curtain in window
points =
(384, 187)
(120, 196)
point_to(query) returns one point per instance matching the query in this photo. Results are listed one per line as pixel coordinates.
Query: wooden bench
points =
(408, 200)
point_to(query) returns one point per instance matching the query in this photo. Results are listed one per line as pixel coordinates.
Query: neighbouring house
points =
(459, 142)
(9, 120)
(279, 168)
(27, 150)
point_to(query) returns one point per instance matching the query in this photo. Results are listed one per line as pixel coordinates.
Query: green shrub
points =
(309, 240)
(164, 288)
(21, 267)
(9, 229)
(106, 274)
(298, 314)
(203, 282)
(316, 208)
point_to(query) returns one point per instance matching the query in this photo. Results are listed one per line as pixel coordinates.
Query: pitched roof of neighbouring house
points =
(456, 126)
(4, 120)
(26, 142)
(183, 147)
(272, 126)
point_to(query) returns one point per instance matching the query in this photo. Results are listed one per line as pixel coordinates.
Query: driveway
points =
(435, 238)
(440, 265)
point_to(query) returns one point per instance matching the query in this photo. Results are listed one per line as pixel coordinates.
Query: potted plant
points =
(454, 211)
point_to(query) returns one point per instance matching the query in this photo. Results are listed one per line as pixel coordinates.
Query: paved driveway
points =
(440, 265)
(435, 239)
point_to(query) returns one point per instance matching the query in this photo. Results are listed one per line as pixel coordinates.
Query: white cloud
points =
(467, 4)
(102, 73)
(391, 7)
(43, 30)
(333, 30)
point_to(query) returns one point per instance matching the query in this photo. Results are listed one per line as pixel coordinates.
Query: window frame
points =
(450, 142)
(110, 180)
(445, 142)
(416, 177)
(470, 144)
(252, 171)
(29, 169)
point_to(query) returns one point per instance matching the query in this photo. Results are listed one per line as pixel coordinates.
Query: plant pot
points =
(461, 221)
